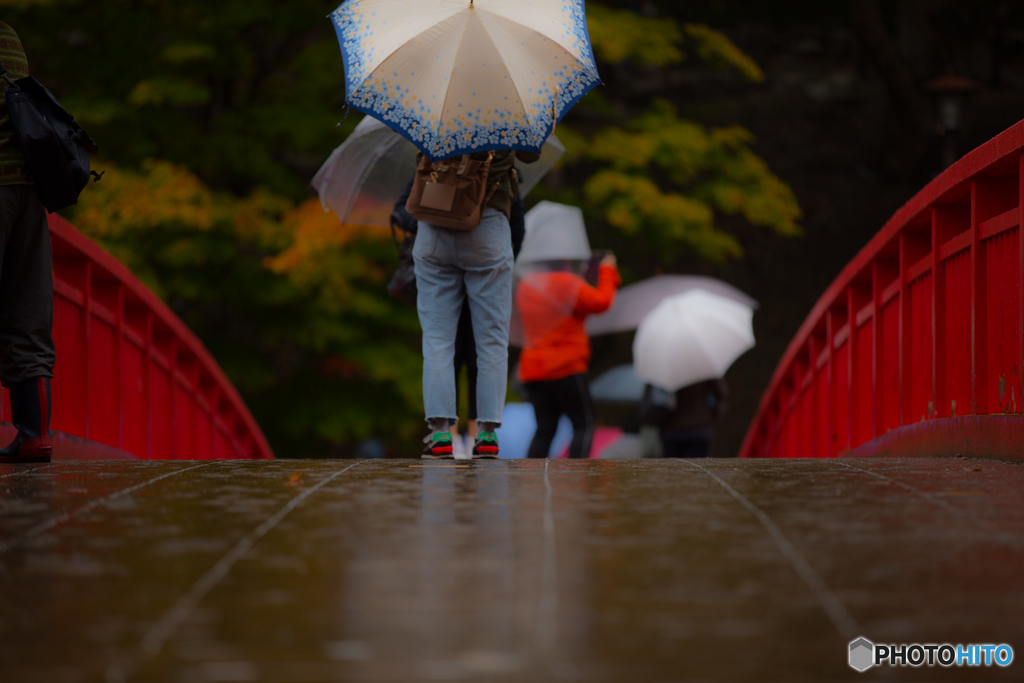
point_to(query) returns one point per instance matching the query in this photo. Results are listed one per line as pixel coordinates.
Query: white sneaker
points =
(459, 449)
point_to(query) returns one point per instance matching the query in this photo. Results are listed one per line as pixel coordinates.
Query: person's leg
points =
(439, 441)
(471, 367)
(574, 399)
(652, 442)
(459, 361)
(691, 443)
(465, 356)
(439, 301)
(471, 380)
(463, 344)
(547, 411)
(27, 352)
(31, 406)
(699, 442)
(673, 444)
(26, 288)
(485, 255)
(458, 443)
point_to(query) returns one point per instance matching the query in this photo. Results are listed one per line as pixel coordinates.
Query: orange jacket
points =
(556, 341)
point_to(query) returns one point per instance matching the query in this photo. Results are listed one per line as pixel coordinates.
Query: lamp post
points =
(950, 94)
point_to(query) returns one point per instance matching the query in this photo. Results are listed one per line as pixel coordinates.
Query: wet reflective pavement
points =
(628, 571)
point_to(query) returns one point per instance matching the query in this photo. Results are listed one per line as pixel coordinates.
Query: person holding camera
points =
(27, 353)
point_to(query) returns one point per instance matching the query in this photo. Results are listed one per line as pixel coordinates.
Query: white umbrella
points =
(633, 303)
(554, 232)
(458, 76)
(691, 337)
(366, 174)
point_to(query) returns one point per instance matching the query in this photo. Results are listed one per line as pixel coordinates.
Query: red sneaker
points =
(486, 445)
(439, 446)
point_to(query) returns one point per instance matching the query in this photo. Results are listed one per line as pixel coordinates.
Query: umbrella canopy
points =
(620, 384)
(634, 302)
(549, 272)
(459, 76)
(690, 338)
(530, 174)
(366, 174)
(554, 232)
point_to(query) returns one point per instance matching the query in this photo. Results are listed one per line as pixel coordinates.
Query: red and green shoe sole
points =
(486, 449)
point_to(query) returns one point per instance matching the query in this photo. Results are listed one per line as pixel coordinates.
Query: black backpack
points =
(403, 282)
(55, 146)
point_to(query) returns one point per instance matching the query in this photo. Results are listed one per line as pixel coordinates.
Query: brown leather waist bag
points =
(451, 193)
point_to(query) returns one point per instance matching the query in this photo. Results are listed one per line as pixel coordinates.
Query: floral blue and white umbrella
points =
(458, 76)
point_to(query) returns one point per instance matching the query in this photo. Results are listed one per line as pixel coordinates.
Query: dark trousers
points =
(691, 443)
(465, 354)
(568, 396)
(26, 287)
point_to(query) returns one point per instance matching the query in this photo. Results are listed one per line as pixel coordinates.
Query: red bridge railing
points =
(922, 333)
(129, 373)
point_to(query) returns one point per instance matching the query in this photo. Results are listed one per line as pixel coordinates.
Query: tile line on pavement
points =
(548, 627)
(26, 470)
(154, 639)
(547, 608)
(46, 525)
(923, 494)
(935, 500)
(833, 607)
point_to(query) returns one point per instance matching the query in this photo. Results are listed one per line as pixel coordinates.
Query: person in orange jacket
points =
(556, 350)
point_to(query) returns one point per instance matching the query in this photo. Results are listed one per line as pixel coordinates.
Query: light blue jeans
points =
(451, 265)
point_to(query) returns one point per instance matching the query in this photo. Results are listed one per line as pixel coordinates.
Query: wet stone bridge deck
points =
(614, 571)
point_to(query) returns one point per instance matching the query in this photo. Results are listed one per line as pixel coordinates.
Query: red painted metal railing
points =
(923, 330)
(129, 373)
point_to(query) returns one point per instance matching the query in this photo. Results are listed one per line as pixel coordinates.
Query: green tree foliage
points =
(708, 170)
(213, 116)
(620, 35)
(243, 93)
(662, 178)
(290, 301)
(617, 36)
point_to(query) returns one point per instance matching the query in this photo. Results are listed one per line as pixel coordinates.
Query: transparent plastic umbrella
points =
(618, 385)
(544, 295)
(553, 232)
(634, 302)
(550, 271)
(691, 337)
(366, 174)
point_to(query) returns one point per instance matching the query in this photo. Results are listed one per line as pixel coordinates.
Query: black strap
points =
(344, 116)
(5, 74)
